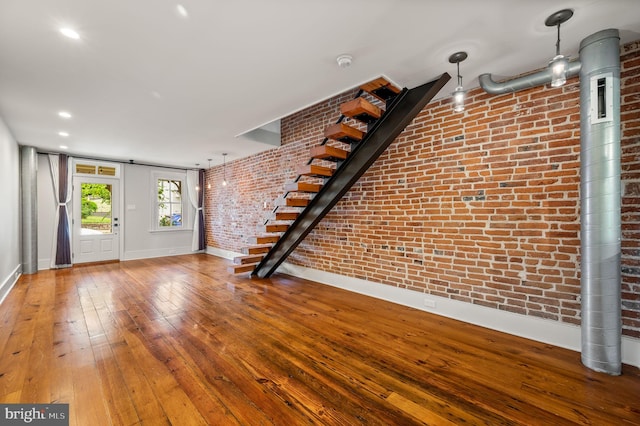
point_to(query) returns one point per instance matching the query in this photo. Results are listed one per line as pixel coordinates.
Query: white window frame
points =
(186, 217)
(97, 164)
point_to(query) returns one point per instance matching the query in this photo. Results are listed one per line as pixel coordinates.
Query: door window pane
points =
(96, 209)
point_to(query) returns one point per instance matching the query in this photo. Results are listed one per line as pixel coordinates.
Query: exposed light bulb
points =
(224, 182)
(458, 99)
(64, 114)
(558, 65)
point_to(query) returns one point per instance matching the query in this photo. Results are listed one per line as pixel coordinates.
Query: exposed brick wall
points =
(481, 207)
(630, 116)
(236, 211)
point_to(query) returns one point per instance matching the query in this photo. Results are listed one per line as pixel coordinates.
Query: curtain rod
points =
(132, 162)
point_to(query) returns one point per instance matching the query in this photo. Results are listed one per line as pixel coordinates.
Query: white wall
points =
(10, 222)
(140, 240)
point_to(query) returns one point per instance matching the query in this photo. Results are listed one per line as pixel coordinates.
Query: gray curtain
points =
(63, 235)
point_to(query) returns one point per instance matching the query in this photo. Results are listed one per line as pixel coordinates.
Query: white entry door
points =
(96, 212)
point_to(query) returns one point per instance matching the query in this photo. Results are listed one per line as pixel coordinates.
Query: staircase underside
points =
(403, 109)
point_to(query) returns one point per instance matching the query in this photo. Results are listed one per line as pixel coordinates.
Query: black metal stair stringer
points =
(400, 113)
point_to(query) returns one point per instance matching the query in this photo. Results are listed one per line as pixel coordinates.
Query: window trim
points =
(155, 217)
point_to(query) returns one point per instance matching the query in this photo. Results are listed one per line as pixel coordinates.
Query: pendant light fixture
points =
(224, 168)
(208, 181)
(459, 93)
(559, 64)
(197, 186)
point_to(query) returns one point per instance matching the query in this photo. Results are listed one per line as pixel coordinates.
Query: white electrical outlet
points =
(429, 303)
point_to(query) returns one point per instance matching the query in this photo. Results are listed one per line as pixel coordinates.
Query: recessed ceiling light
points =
(64, 114)
(63, 134)
(69, 32)
(182, 11)
(64, 147)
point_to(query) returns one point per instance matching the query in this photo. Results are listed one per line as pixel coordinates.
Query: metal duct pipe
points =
(29, 193)
(600, 190)
(525, 82)
(600, 201)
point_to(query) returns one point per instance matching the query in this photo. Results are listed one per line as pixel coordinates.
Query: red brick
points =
(491, 218)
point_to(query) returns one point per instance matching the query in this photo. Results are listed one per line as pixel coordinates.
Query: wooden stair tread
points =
(258, 249)
(330, 153)
(286, 215)
(276, 227)
(239, 269)
(264, 239)
(362, 110)
(313, 170)
(250, 258)
(405, 107)
(381, 89)
(302, 187)
(292, 202)
(343, 133)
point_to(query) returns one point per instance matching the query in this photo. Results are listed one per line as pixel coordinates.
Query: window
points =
(96, 169)
(169, 203)
(169, 208)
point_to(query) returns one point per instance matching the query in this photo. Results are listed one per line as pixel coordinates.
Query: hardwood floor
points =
(180, 341)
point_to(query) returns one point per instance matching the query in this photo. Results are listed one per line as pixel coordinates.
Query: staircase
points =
(346, 152)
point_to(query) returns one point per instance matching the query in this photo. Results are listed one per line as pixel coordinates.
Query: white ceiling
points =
(146, 84)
